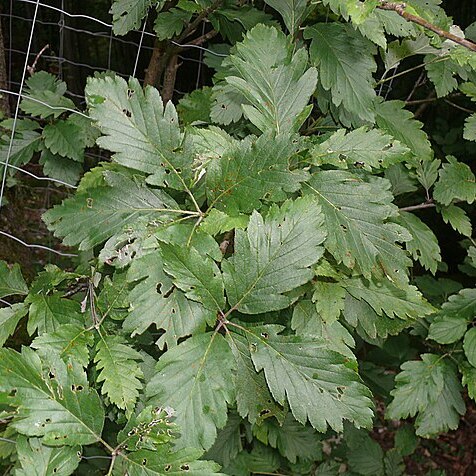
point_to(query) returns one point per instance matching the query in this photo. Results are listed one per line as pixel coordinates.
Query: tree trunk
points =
(4, 98)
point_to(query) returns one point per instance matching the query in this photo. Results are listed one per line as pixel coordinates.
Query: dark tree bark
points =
(4, 99)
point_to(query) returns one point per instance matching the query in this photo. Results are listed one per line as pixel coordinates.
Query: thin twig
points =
(204, 14)
(421, 206)
(31, 69)
(400, 9)
(457, 106)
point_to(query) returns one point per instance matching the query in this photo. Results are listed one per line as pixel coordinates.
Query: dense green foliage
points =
(240, 250)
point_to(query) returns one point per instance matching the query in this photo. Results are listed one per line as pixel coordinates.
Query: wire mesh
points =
(71, 40)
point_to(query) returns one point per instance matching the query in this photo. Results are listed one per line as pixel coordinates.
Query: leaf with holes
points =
(53, 399)
(304, 373)
(37, 459)
(142, 133)
(194, 378)
(251, 171)
(155, 300)
(95, 215)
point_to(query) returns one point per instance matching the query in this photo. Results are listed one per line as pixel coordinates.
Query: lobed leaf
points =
(194, 378)
(356, 216)
(119, 371)
(53, 399)
(429, 389)
(273, 256)
(308, 376)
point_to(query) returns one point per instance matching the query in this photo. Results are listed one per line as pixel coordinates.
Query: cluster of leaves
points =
(235, 256)
(55, 129)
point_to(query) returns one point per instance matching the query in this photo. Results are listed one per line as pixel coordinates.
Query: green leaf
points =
(424, 245)
(96, 214)
(345, 62)
(196, 275)
(274, 79)
(470, 128)
(234, 20)
(142, 133)
(217, 222)
(61, 138)
(228, 442)
(60, 168)
(307, 322)
(427, 173)
(370, 325)
(456, 182)
(250, 171)
(226, 104)
(194, 378)
(44, 96)
(429, 9)
(195, 106)
(53, 400)
(253, 398)
(442, 73)
(306, 374)
(458, 219)
(119, 369)
(469, 378)
(356, 215)
(329, 300)
(292, 12)
(399, 50)
(165, 462)
(37, 459)
(404, 302)
(363, 148)
(24, 145)
(260, 459)
(155, 300)
(469, 346)
(273, 256)
(400, 123)
(447, 329)
(451, 322)
(69, 341)
(9, 319)
(49, 313)
(406, 441)
(429, 388)
(291, 439)
(365, 455)
(400, 179)
(11, 280)
(127, 15)
(171, 23)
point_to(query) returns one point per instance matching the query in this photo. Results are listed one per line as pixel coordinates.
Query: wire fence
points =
(71, 40)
